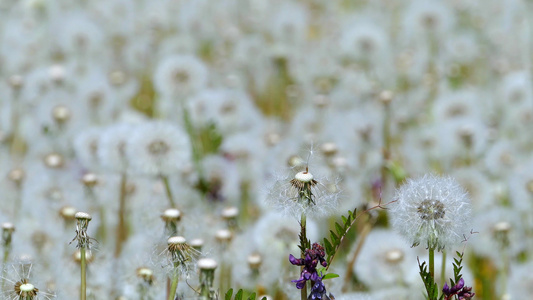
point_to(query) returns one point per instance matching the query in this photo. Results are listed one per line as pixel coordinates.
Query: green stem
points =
(386, 145)
(196, 155)
(174, 285)
(432, 262)
(168, 191)
(504, 271)
(303, 242)
(83, 287)
(349, 267)
(443, 269)
(122, 232)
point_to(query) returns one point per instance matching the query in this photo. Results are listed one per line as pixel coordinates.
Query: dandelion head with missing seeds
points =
(297, 193)
(432, 211)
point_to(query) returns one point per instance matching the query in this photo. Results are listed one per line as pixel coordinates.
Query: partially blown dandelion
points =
(304, 194)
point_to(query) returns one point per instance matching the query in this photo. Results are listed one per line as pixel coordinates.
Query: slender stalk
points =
(174, 285)
(443, 269)
(349, 267)
(168, 191)
(83, 287)
(303, 239)
(196, 153)
(122, 232)
(386, 144)
(432, 262)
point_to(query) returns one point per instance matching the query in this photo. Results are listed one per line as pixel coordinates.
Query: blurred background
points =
(117, 107)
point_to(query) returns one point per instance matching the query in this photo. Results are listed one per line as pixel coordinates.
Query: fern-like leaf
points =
(240, 295)
(336, 237)
(432, 288)
(457, 267)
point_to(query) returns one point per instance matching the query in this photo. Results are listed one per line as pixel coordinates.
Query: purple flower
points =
(310, 261)
(463, 292)
(318, 291)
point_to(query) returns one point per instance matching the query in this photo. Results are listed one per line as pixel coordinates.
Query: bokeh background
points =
(112, 107)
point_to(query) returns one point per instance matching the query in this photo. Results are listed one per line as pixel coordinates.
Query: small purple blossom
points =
(463, 292)
(312, 257)
(318, 291)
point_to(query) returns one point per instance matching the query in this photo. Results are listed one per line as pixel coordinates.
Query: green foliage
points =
(457, 267)
(240, 295)
(432, 288)
(336, 237)
(322, 273)
(304, 242)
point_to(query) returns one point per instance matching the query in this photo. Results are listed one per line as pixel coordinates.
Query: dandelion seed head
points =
(83, 216)
(158, 148)
(207, 264)
(254, 261)
(16, 82)
(197, 244)
(171, 215)
(61, 114)
(224, 236)
(145, 274)
(68, 213)
(431, 210)
(54, 160)
(303, 193)
(230, 212)
(89, 180)
(17, 175)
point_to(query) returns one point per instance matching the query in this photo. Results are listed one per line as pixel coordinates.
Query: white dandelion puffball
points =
(180, 74)
(432, 211)
(158, 148)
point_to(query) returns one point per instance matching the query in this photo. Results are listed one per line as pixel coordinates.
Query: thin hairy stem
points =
(122, 231)
(443, 269)
(303, 239)
(174, 285)
(432, 262)
(349, 267)
(83, 286)
(168, 191)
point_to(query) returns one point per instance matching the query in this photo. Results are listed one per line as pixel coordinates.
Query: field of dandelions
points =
(177, 149)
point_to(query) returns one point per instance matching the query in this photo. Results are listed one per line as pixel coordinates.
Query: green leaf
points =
(332, 244)
(432, 288)
(339, 229)
(238, 296)
(330, 275)
(344, 220)
(228, 294)
(252, 297)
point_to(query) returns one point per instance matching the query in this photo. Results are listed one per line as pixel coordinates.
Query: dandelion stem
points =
(168, 191)
(432, 262)
(349, 267)
(386, 151)
(443, 269)
(122, 231)
(196, 154)
(83, 287)
(174, 285)
(303, 246)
